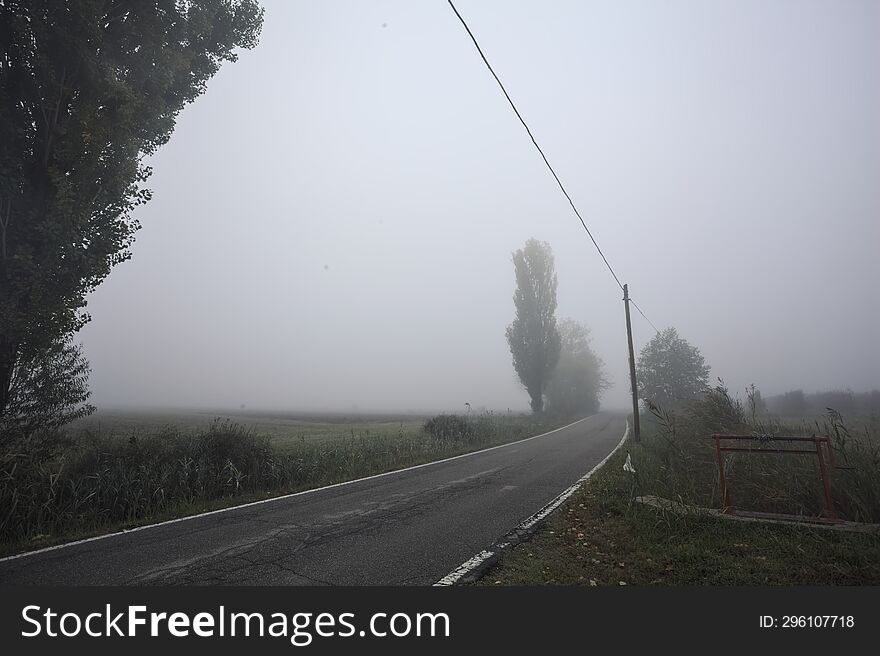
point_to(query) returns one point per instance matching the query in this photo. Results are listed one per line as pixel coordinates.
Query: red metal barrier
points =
(816, 441)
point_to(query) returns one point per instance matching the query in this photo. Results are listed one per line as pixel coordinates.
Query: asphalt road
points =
(410, 527)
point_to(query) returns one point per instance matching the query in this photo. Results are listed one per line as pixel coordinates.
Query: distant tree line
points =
(797, 403)
(563, 375)
(559, 369)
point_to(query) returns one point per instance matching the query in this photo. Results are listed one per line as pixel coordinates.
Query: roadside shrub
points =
(450, 427)
(481, 428)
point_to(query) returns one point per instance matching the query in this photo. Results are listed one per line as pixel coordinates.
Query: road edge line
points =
(473, 568)
(94, 538)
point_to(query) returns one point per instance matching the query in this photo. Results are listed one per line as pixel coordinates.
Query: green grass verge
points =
(599, 537)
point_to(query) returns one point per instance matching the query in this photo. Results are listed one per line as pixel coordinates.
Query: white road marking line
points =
(526, 525)
(56, 547)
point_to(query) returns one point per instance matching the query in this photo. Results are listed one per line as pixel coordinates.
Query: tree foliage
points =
(88, 88)
(533, 337)
(670, 371)
(49, 388)
(579, 379)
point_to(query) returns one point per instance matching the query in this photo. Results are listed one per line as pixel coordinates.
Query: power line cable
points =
(543, 156)
(644, 315)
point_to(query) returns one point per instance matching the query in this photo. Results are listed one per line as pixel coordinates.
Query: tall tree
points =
(533, 336)
(671, 371)
(578, 380)
(88, 88)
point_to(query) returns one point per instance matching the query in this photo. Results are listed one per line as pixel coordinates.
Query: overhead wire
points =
(644, 316)
(544, 157)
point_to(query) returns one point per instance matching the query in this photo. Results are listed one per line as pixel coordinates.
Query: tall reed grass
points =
(677, 460)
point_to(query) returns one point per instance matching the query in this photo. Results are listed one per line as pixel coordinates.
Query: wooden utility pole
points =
(632, 368)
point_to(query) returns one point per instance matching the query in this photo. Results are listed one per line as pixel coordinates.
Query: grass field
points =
(118, 470)
(283, 429)
(601, 536)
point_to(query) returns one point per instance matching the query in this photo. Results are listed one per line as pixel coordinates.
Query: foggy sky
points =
(332, 223)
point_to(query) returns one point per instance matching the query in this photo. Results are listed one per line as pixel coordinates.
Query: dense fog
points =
(333, 221)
